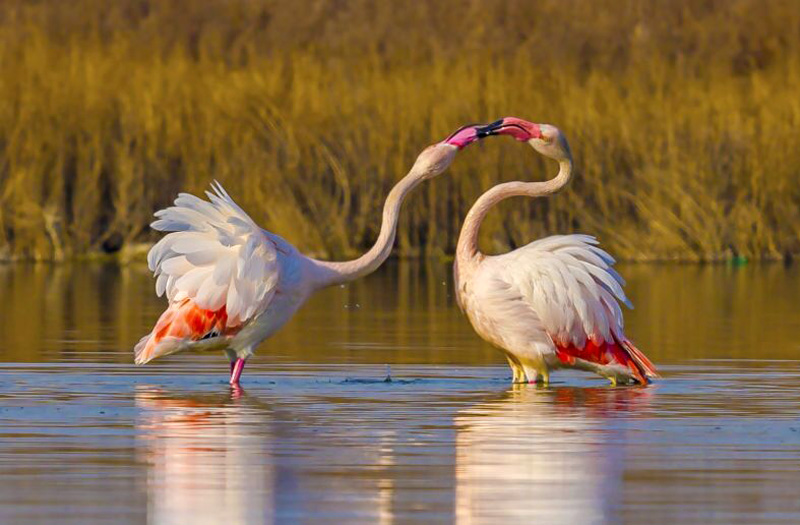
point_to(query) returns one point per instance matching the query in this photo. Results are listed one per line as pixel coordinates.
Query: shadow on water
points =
(319, 434)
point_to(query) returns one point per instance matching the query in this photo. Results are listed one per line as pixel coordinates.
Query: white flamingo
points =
(231, 284)
(553, 303)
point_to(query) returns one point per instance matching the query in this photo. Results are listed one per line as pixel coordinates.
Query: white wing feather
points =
(571, 286)
(216, 256)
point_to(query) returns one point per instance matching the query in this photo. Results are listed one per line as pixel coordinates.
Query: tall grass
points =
(683, 116)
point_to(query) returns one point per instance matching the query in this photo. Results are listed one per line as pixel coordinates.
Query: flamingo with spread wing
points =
(231, 284)
(555, 302)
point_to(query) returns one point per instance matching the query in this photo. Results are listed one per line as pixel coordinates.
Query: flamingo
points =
(555, 302)
(231, 284)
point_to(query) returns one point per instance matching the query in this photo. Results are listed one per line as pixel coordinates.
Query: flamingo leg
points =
(545, 378)
(516, 369)
(236, 370)
(535, 375)
(539, 378)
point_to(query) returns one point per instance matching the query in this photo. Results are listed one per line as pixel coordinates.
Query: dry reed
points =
(682, 116)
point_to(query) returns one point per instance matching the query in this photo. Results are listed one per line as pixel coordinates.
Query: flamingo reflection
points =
(201, 452)
(553, 456)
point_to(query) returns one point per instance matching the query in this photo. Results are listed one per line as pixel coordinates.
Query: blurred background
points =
(682, 116)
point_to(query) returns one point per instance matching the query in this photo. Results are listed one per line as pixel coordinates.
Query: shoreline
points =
(137, 254)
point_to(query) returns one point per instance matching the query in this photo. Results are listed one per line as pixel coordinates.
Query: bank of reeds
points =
(683, 116)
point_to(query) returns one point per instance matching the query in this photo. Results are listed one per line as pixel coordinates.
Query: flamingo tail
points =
(610, 354)
(646, 366)
(180, 325)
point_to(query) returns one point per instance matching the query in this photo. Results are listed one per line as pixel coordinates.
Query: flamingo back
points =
(571, 285)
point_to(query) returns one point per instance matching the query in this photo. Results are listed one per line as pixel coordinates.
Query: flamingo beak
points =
(490, 129)
(464, 136)
(521, 130)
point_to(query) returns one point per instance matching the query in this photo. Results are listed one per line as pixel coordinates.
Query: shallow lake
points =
(318, 434)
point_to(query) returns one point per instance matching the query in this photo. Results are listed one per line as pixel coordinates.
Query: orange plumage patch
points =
(183, 321)
(615, 353)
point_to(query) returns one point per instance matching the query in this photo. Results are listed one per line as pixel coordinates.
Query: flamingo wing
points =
(218, 269)
(571, 286)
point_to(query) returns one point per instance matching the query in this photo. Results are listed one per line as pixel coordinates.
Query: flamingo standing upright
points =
(553, 303)
(231, 284)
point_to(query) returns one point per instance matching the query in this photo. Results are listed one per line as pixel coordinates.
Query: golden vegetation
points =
(682, 115)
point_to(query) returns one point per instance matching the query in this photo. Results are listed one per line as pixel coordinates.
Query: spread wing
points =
(217, 267)
(571, 286)
(215, 256)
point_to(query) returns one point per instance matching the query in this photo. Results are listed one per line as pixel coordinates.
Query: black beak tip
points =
(489, 129)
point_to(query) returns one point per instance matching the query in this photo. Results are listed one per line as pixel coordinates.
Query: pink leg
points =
(236, 370)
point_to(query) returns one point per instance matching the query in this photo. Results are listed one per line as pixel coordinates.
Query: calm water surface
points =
(317, 434)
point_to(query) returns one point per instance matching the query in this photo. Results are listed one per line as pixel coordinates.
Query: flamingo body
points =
(231, 284)
(554, 303)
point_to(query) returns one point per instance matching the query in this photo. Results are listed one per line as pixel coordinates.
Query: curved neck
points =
(337, 272)
(467, 248)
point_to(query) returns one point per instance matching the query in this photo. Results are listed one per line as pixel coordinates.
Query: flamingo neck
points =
(338, 272)
(467, 250)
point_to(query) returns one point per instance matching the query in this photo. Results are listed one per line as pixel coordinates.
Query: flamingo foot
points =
(540, 380)
(236, 370)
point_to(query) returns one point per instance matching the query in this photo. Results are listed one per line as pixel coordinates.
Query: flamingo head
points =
(436, 158)
(544, 138)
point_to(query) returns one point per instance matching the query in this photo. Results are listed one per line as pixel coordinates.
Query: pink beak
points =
(463, 137)
(521, 130)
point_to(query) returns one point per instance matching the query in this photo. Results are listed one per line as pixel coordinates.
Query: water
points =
(318, 434)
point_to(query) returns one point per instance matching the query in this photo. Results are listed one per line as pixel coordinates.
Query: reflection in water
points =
(208, 458)
(221, 459)
(553, 456)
